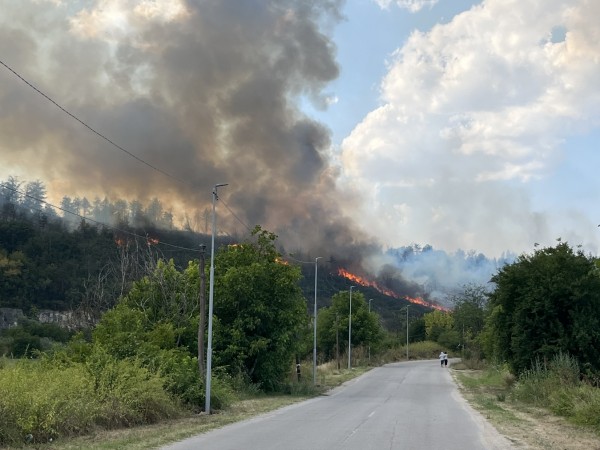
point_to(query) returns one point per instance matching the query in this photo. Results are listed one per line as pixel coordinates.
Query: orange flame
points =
(282, 261)
(365, 282)
(120, 242)
(152, 241)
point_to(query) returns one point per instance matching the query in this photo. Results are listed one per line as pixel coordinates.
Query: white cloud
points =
(472, 111)
(411, 5)
(113, 19)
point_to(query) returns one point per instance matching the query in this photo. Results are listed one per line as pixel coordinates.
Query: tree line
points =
(544, 304)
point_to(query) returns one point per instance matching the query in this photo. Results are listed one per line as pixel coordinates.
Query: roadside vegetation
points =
(528, 340)
(547, 407)
(139, 365)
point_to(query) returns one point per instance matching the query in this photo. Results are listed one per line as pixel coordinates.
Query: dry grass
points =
(155, 436)
(525, 427)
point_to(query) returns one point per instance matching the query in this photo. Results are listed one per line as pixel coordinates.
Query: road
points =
(408, 405)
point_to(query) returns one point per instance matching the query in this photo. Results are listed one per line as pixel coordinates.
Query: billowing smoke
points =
(205, 90)
(440, 275)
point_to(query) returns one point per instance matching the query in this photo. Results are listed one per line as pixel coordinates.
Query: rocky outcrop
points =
(72, 320)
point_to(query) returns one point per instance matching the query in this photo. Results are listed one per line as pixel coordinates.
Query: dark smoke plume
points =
(207, 91)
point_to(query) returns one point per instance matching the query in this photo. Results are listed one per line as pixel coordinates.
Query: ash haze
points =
(351, 127)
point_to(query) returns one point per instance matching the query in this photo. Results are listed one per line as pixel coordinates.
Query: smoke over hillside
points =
(206, 91)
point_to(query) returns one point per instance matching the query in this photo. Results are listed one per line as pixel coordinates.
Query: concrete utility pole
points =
(315, 326)
(407, 332)
(202, 322)
(210, 300)
(350, 332)
(370, 339)
(337, 342)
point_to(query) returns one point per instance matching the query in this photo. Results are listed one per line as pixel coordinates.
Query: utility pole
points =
(407, 332)
(211, 294)
(315, 326)
(369, 337)
(337, 342)
(350, 332)
(202, 322)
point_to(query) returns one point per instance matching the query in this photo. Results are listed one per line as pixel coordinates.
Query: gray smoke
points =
(204, 90)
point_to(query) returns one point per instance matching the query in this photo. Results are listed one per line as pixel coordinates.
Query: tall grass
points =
(556, 386)
(39, 401)
(542, 384)
(416, 350)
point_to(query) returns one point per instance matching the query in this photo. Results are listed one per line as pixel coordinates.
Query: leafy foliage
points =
(544, 304)
(259, 309)
(45, 400)
(469, 318)
(333, 324)
(436, 323)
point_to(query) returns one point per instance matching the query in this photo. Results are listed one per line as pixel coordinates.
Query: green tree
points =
(437, 323)
(259, 308)
(469, 318)
(169, 296)
(332, 324)
(543, 304)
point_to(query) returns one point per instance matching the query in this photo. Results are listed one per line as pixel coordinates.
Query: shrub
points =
(128, 394)
(416, 350)
(586, 411)
(44, 402)
(540, 384)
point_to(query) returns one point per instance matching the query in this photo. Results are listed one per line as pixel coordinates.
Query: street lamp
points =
(407, 332)
(315, 326)
(350, 331)
(370, 339)
(210, 299)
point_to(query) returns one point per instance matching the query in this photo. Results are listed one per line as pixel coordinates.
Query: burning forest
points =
(364, 281)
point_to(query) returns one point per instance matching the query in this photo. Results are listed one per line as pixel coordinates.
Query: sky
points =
(345, 126)
(476, 125)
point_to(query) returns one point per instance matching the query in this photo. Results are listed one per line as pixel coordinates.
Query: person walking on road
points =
(445, 359)
(442, 356)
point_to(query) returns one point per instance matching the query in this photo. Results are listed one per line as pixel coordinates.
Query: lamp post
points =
(407, 332)
(210, 300)
(370, 339)
(315, 326)
(350, 331)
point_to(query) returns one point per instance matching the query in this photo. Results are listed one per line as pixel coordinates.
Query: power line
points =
(234, 215)
(110, 141)
(89, 127)
(95, 221)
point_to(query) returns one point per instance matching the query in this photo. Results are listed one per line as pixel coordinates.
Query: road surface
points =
(407, 405)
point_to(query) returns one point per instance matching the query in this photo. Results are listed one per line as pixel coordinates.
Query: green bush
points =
(128, 394)
(543, 382)
(562, 402)
(55, 397)
(586, 411)
(416, 350)
(44, 402)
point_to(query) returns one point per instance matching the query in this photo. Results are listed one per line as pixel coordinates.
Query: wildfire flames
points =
(365, 282)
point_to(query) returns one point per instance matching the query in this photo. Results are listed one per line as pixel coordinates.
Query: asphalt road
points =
(409, 405)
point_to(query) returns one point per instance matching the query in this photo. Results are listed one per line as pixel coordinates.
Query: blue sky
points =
(365, 39)
(497, 166)
(468, 125)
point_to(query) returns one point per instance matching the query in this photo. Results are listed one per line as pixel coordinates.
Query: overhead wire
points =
(110, 141)
(234, 215)
(102, 136)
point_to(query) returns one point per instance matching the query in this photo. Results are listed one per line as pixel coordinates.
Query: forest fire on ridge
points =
(365, 282)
